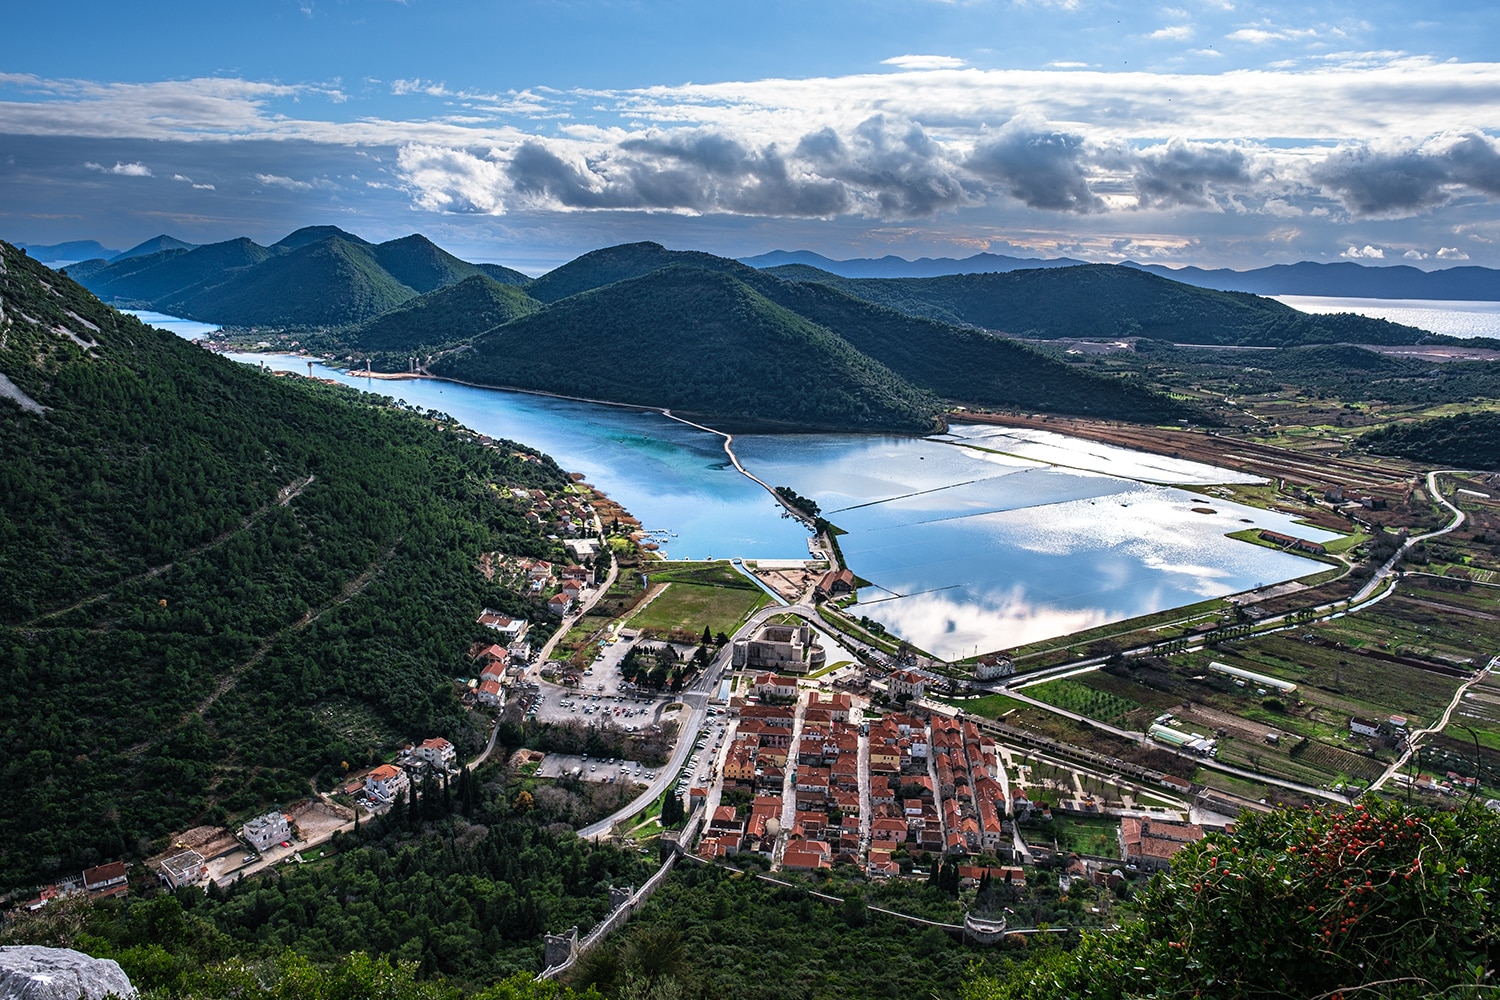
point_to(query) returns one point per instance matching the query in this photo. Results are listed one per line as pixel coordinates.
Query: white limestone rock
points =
(31, 972)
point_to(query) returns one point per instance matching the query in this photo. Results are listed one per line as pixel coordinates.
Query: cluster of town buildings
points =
(893, 788)
(564, 515)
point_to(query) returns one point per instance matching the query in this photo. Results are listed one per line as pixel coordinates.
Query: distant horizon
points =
(534, 272)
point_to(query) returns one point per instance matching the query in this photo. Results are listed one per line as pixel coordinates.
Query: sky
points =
(1219, 133)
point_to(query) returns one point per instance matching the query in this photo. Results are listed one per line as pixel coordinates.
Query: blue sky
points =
(1210, 132)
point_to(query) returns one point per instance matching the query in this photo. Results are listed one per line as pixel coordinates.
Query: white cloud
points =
(1068, 64)
(1265, 33)
(1366, 252)
(123, 169)
(1451, 253)
(188, 180)
(1322, 139)
(1172, 33)
(274, 180)
(923, 62)
(1414, 255)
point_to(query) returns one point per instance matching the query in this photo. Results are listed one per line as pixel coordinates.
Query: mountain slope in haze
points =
(619, 263)
(1339, 279)
(1343, 279)
(505, 275)
(308, 235)
(316, 277)
(155, 244)
(219, 585)
(704, 345)
(891, 266)
(447, 314)
(328, 283)
(1107, 301)
(155, 279)
(73, 250)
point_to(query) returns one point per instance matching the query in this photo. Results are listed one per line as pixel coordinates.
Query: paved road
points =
(695, 700)
(1411, 742)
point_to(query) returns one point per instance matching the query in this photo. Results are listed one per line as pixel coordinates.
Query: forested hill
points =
(316, 277)
(958, 364)
(702, 344)
(1106, 301)
(219, 585)
(1462, 441)
(447, 314)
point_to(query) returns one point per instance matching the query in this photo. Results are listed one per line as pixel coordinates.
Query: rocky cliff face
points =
(29, 972)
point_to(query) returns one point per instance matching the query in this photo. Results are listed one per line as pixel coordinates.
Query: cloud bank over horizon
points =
(1309, 157)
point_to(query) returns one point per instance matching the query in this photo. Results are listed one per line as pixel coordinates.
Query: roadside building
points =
(264, 831)
(774, 686)
(490, 693)
(835, 582)
(908, 683)
(185, 868)
(385, 783)
(105, 880)
(437, 752)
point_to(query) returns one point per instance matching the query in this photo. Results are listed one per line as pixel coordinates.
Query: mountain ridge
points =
(1335, 279)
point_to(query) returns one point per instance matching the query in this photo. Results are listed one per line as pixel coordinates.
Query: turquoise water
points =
(189, 329)
(979, 539)
(971, 546)
(670, 476)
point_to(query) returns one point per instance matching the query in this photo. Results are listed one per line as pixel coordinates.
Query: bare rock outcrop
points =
(31, 972)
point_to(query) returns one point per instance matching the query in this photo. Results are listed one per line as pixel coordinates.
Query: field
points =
(700, 595)
(1096, 835)
(1404, 656)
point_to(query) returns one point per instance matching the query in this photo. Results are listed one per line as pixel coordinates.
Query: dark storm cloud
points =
(1039, 166)
(1393, 182)
(1185, 174)
(892, 170)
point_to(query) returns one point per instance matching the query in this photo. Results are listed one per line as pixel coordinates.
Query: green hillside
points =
(618, 263)
(702, 344)
(219, 585)
(449, 314)
(970, 366)
(505, 275)
(1104, 301)
(308, 235)
(315, 278)
(328, 283)
(159, 277)
(1462, 441)
(420, 264)
(963, 365)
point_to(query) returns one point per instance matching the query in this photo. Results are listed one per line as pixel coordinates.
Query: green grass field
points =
(692, 606)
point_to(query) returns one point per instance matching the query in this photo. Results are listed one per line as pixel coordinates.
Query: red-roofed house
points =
(1150, 844)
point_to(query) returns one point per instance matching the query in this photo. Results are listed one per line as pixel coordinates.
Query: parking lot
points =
(609, 770)
(601, 694)
(702, 765)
